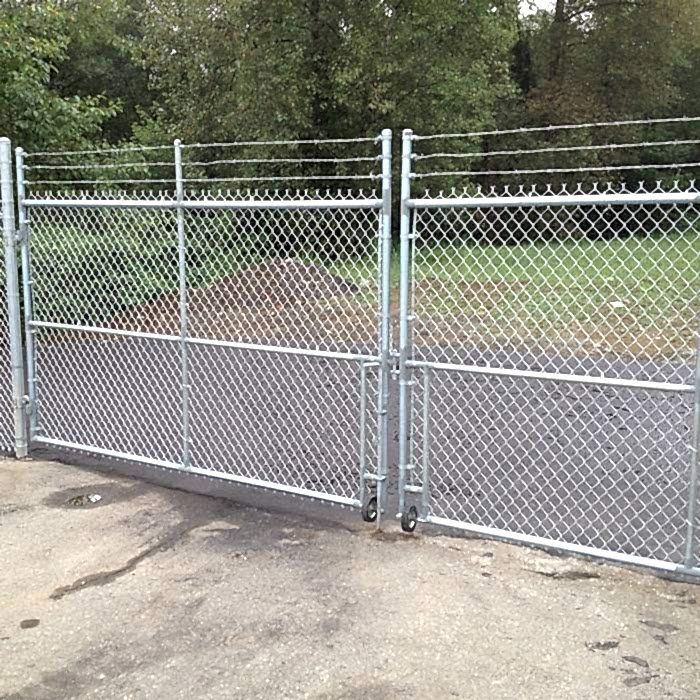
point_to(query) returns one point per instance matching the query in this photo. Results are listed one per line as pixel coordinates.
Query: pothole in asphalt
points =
(93, 496)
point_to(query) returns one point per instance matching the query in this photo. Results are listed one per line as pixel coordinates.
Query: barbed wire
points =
(556, 149)
(557, 127)
(291, 142)
(98, 151)
(541, 171)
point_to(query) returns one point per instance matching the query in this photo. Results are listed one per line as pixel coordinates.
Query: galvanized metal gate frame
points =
(371, 491)
(414, 503)
(413, 493)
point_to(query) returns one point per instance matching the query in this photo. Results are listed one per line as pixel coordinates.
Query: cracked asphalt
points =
(153, 592)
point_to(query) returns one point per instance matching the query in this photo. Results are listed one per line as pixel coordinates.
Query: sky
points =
(541, 4)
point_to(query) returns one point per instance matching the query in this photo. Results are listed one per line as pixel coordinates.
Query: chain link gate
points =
(238, 334)
(548, 350)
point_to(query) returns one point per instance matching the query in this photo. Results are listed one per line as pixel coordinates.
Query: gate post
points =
(690, 541)
(32, 407)
(404, 312)
(385, 328)
(13, 305)
(182, 276)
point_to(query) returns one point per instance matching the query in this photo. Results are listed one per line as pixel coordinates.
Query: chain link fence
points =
(236, 333)
(235, 310)
(550, 344)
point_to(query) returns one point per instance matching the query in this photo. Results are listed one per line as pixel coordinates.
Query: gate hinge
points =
(27, 403)
(374, 477)
(21, 233)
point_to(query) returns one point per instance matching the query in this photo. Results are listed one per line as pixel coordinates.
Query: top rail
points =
(555, 200)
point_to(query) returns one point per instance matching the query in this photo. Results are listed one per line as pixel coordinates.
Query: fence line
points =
(548, 393)
(492, 443)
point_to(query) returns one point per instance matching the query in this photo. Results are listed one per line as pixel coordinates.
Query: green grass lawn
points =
(639, 294)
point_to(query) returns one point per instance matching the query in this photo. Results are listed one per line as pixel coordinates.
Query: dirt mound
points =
(281, 282)
(265, 289)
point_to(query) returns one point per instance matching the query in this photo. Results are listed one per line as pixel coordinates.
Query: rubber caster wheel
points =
(409, 519)
(369, 510)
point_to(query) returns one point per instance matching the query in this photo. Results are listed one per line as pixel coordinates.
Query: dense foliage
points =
(113, 70)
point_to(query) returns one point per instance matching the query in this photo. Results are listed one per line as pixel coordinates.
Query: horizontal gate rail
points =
(555, 377)
(246, 481)
(545, 200)
(567, 547)
(210, 342)
(284, 205)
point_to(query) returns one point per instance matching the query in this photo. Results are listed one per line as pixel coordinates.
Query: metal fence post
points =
(24, 235)
(182, 266)
(690, 542)
(385, 328)
(404, 313)
(363, 433)
(425, 480)
(13, 305)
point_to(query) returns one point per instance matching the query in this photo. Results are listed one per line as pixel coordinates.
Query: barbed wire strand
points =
(535, 171)
(558, 127)
(558, 149)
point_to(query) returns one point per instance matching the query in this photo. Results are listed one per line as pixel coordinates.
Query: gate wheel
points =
(369, 510)
(409, 519)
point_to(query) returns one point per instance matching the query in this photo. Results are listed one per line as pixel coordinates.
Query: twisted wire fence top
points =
(238, 170)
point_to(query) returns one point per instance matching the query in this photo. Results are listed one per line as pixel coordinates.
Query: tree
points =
(103, 57)
(322, 69)
(33, 43)
(609, 59)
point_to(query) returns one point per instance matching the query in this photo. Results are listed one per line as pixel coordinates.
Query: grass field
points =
(639, 295)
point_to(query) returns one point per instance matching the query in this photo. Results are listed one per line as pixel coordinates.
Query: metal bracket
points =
(21, 234)
(374, 477)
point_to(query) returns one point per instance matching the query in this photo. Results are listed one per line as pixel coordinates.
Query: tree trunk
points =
(557, 42)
